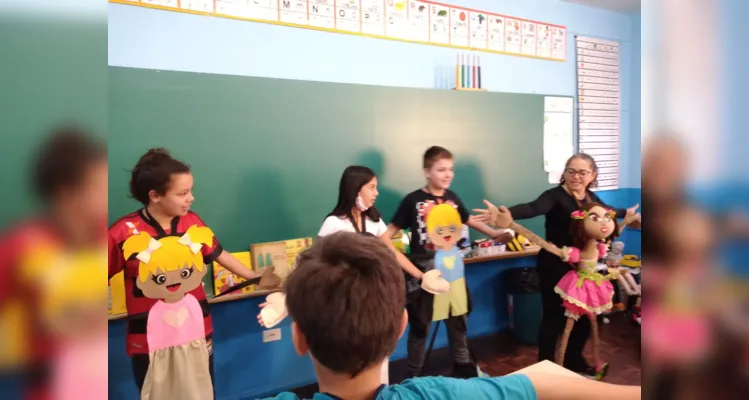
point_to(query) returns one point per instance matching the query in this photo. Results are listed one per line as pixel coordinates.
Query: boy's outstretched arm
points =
(557, 387)
(524, 386)
(494, 234)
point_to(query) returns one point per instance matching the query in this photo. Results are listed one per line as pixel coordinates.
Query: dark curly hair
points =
(154, 171)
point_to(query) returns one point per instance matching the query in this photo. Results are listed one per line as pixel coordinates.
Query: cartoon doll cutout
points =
(169, 268)
(444, 227)
(70, 313)
(584, 291)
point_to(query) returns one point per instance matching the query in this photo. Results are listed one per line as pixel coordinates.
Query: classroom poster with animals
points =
(418, 21)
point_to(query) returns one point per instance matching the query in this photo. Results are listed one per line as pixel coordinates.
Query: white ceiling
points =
(621, 6)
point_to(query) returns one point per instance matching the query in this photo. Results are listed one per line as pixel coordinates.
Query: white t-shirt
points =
(334, 224)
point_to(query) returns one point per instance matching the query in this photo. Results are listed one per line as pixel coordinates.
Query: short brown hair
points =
(64, 159)
(347, 296)
(434, 154)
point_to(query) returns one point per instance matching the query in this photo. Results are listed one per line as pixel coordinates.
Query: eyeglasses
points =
(583, 173)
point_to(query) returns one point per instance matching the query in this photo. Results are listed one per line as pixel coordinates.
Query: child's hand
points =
(485, 215)
(497, 216)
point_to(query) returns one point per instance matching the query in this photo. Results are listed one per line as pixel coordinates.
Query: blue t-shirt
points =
(456, 257)
(512, 387)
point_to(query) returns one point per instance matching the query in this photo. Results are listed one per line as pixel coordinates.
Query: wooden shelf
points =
(470, 89)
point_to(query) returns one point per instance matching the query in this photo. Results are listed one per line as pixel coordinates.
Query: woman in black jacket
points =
(556, 205)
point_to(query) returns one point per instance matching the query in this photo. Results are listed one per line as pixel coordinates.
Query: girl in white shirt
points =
(355, 210)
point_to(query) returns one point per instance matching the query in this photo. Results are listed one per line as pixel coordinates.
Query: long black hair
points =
(353, 179)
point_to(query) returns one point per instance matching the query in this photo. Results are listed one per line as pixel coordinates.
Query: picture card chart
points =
(559, 128)
(599, 106)
(418, 21)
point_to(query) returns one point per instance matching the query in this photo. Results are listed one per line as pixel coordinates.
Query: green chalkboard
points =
(51, 73)
(267, 154)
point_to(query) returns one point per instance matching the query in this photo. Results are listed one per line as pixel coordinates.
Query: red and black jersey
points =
(17, 284)
(21, 283)
(137, 304)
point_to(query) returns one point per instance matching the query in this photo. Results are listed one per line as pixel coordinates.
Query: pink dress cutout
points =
(179, 352)
(79, 373)
(175, 324)
(585, 291)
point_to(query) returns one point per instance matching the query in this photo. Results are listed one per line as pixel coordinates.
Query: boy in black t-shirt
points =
(439, 172)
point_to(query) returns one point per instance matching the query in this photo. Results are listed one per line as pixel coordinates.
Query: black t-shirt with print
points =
(410, 215)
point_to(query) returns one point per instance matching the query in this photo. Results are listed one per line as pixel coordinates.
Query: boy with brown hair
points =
(346, 299)
(411, 214)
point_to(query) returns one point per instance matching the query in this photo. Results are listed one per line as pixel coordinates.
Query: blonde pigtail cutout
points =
(176, 252)
(196, 237)
(136, 244)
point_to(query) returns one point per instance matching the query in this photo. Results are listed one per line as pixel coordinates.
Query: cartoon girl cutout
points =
(444, 227)
(169, 269)
(584, 290)
(73, 315)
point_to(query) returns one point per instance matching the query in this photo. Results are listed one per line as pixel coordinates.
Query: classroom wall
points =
(633, 141)
(144, 38)
(734, 86)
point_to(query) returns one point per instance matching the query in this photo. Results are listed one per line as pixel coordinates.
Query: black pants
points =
(550, 271)
(142, 361)
(617, 295)
(420, 307)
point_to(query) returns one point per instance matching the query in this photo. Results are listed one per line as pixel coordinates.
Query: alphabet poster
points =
(417, 21)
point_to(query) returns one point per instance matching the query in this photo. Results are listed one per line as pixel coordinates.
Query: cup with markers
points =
(468, 75)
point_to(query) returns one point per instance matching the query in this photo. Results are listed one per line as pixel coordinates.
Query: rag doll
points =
(613, 260)
(584, 291)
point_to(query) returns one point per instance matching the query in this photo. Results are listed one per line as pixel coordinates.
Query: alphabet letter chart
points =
(417, 21)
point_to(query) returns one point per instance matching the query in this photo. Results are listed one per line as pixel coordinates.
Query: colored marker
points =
(462, 72)
(457, 72)
(478, 69)
(468, 71)
(475, 77)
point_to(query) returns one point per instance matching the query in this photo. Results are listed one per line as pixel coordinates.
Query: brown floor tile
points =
(500, 355)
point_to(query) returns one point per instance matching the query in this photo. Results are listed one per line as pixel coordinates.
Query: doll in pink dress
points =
(585, 292)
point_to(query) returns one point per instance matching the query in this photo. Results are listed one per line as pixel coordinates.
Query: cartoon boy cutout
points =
(444, 229)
